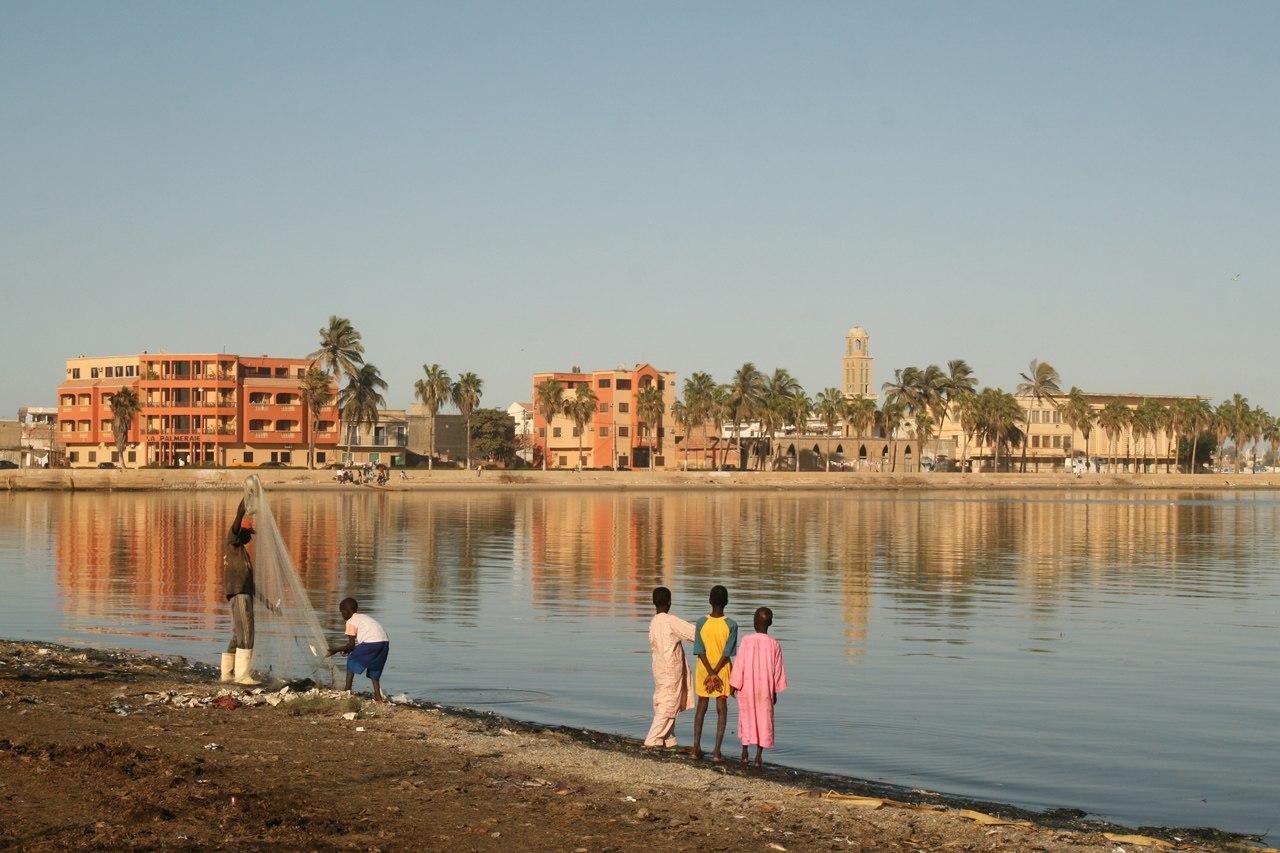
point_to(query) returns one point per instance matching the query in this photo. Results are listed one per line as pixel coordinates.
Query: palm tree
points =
(1113, 418)
(775, 409)
(860, 414)
(1259, 418)
(465, 395)
(341, 353)
(316, 390)
(682, 417)
(1199, 418)
(1041, 384)
(548, 399)
(1148, 420)
(829, 406)
(125, 406)
(1078, 414)
(433, 390)
(745, 395)
(699, 405)
(361, 399)
(890, 419)
(924, 427)
(966, 409)
(799, 407)
(581, 409)
(1224, 424)
(998, 415)
(650, 406)
(1271, 435)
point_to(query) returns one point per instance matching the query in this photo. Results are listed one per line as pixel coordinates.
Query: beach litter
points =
(1137, 840)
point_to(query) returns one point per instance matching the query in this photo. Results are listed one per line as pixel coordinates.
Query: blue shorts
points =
(368, 658)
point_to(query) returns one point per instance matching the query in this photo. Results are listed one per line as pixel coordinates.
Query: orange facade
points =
(616, 437)
(213, 409)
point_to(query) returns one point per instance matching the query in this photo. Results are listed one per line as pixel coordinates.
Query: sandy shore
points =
(160, 479)
(115, 750)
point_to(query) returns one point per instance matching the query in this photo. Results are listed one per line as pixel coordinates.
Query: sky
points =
(517, 187)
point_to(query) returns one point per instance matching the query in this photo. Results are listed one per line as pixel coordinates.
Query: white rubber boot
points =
(244, 668)
(228, 667)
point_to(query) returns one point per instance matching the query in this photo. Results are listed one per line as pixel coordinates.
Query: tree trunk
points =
(1026, 439)
(581, 430)
(431, 458)
(1195, 445)
(466, 424)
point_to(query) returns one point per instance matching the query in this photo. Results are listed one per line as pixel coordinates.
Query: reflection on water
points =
(1109, 652)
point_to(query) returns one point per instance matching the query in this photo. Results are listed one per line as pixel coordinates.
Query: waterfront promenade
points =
(232, 479)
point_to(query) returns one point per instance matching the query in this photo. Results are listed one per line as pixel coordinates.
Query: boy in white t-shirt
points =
(366, 648)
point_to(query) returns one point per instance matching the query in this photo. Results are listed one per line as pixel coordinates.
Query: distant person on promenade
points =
(715, 639)
(367, 646)
(237, 585)
(758, 677)
(671, 695)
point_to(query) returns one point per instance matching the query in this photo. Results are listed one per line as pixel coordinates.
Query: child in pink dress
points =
(757, 678)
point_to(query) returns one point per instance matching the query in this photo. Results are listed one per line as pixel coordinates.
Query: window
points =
(1057, 441)
(128, 370)
(248, 456)
(555, 433)
(604, 407)
(119, 371)
(622, 462)
(133, 456)
(115, 456)
(604, 432)
(93, 373)
(624, 408)
(623, 432)
(542, 432)
(1035, 441)
(624, 385)
(564, 462)
(1057, 416)
(576, 432)
(286, 457)
(604, 383)
(93, 456)
(275, 456)
(659, 462)
(75, 456)
(320, 457)
(75, 373)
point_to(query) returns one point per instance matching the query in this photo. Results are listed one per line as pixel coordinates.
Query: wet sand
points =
(116, 750)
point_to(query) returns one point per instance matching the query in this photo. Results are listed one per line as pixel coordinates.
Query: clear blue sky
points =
(515, 187)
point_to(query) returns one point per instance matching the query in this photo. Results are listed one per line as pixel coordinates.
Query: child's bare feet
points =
(743, 760)
(717, 758)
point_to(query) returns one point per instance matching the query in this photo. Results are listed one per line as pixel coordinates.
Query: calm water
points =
(1110, 652)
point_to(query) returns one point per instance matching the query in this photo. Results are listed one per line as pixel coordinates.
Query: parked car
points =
(107, 466)
(5, 463)
(273, 465)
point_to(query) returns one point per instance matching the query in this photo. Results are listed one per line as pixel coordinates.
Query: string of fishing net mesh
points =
(289, 643)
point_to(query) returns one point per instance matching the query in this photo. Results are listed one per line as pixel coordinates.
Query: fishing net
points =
(289, 643)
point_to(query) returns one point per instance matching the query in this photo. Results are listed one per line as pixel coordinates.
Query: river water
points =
(1107, 651)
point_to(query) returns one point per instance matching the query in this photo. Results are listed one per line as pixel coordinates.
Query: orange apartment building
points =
(210, 409)
(615, 437)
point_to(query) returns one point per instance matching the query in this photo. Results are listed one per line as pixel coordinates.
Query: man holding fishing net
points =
(237, 583)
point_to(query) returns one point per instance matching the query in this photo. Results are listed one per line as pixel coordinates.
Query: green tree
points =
(433, 390)
(859, 415)
(125, 406)
(966, 414)
(548, 400)
(774, 409)
(316, 391)
(361, 399)
(650, 406)
(581, 409)
(1041, 384)
(1271, 435)
(465, 395)
(494, 436)
(744, 398)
